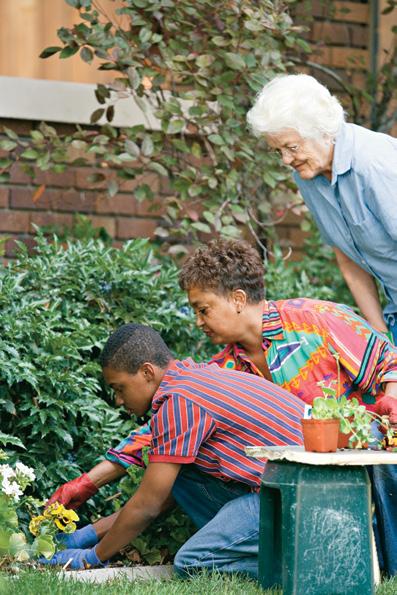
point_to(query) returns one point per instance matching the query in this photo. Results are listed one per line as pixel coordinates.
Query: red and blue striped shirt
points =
(206, 415)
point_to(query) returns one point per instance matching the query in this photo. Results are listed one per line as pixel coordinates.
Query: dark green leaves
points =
(80, 3)
(216, 139)
(68, 51)
(132, 148)
(191, 70)
(175, 126)
(30, 154)
(86, 55)
(96, 115)
(102, 93)
(50, 51)
(58, 308)
(234, 61)
(7, 145)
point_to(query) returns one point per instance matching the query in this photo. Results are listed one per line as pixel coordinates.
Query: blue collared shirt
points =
(357, 210)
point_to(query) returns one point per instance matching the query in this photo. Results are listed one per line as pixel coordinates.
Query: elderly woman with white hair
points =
(347, 176)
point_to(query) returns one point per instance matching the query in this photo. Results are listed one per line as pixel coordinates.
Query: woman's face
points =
(216, 315)
(309, 157)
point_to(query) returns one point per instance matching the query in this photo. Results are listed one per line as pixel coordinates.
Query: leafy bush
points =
(58, 308)
(315, 276)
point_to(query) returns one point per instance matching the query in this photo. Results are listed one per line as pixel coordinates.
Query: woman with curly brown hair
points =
(296, 343)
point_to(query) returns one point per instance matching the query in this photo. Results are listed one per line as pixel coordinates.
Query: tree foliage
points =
(192, 68)
(194, 65)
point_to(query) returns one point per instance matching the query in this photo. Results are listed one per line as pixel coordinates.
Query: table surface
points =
(297, 454)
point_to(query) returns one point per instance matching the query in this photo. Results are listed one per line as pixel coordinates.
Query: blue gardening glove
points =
(80, 559)
(80, 539)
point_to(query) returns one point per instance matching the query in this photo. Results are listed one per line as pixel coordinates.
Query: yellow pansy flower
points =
(34, 525)
(63, 519)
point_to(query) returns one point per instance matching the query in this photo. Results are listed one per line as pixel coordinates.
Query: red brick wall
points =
(66, 194)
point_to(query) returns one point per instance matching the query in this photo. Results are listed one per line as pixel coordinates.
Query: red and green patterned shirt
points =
(303, 339)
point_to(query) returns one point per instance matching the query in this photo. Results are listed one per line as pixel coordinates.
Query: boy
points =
(203, 416)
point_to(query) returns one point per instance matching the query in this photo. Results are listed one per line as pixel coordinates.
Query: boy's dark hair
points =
(132, 345)
(223, 266)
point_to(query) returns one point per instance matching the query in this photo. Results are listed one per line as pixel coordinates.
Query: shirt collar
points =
(175, 368)
(272, 327)
(342, 160)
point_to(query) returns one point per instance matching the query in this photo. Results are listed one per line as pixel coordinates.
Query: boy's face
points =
(133, 391)
(216, 315)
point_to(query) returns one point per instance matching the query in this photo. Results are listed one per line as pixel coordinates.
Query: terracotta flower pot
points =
(320, 435)
(343, 439)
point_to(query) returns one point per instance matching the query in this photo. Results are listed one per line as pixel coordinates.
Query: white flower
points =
(6, 471)
(26, 471)
(11, 488)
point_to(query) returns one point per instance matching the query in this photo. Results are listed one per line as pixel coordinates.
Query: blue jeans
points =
(384, 493)
(227, 515)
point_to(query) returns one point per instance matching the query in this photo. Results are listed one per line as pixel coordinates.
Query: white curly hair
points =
(298, 102)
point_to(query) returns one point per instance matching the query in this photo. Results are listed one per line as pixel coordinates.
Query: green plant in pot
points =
(338, 422)
(356, 424)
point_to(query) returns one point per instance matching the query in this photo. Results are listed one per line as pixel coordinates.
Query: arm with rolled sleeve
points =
(129, 451)
(367, 356)
(152, 497)
(149, 501)
(179, 428)
(370, 359)
(174, 442)
(363, 289)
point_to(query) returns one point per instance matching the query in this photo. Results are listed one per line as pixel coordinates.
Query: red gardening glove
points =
(387, 406)
(75, 492)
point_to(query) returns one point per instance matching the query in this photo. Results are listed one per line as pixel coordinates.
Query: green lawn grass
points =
(48, 583)
(31, 582)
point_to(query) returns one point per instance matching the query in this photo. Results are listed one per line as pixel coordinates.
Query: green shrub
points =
(315, 276)
(58, 308)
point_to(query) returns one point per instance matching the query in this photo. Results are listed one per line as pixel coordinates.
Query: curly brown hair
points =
(223, 266)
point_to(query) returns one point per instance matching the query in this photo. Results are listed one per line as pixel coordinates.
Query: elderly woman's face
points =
(308, 156)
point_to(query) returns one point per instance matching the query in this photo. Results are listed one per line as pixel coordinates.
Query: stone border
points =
(103, 575)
